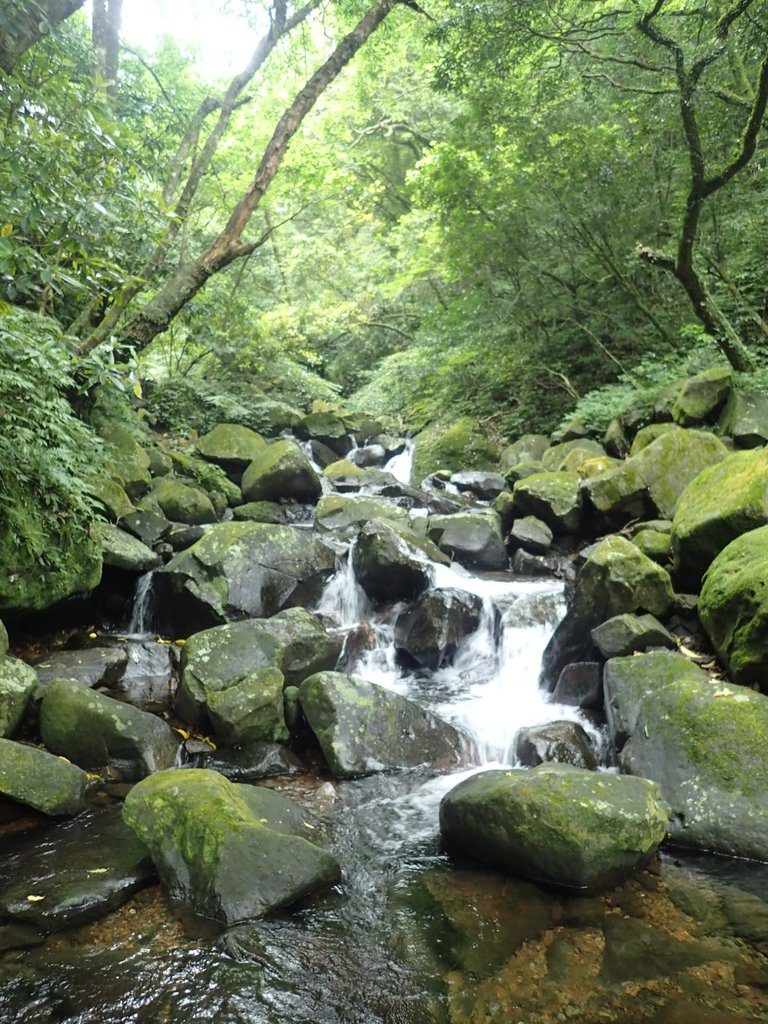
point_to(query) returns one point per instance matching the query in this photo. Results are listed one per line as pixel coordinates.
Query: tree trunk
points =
(228, 247)
(105, 33)
(27, 22)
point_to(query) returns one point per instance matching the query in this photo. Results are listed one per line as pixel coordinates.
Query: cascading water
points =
(142, 612)
(401, 466)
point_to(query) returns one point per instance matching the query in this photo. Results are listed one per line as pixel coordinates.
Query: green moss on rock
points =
(460, 446)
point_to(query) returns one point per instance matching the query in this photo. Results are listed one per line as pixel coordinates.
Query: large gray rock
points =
(672, 461)
(701, 397)
(557, 743)
(18, 682)
(95, 731)
(431, 630)
(180, 502)
(328, 429)
(231, 446)
(702, 741)
(347, 514)
(528, 448)
(580, 684)
(551, 496)
(616, 495)
(625, 634)
(281, 470)
(389, 562)
(251, 709)
(473, 539)
(556, 824)
(122, 551)
(364, 728)
(242, 570)
(36, 778)
(214, 660)
(745, 418)
(93, 666)
(485, 486)
(531, 534)
(226, 852)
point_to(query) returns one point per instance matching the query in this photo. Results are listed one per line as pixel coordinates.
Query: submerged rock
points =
(364, 728)
(556, 824)
(432, 629)
(702, 741)
(94, 731)
(223, 851)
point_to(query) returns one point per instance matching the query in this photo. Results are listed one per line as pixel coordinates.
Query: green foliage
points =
(47, 455)
(186, 404)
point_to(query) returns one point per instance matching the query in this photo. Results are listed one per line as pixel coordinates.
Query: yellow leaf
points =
(179, 643)
(160, 640)
(35, 899)
(92, 776)
(93, 636)
(307, 825)
(263, 821)
(137, 388)
(182, 732)
(6, 230)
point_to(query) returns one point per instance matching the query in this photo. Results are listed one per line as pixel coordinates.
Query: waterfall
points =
(401, 466)
(142, 614)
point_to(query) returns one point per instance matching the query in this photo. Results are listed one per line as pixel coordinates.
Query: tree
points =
(25, 22)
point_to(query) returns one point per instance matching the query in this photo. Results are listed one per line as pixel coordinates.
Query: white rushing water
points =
(142, 613)
(401, 466)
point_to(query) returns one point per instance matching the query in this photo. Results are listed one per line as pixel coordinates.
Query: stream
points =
(410, 937)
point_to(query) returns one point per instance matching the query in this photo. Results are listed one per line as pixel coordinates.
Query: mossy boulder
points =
(615, 496)
(557, 824)
(209, 478)
(38, 779)
(701, 397)
(430, 631)
(567, 455)
(473, 539)
(733, 607)
(281, 470)
(242, 570)
(348, 513)
(112, 497)
(214, 660)
(702, 741)
(225, 851)
(553, 497)
(231, 446)
(129, 462)
(364, 728)
(531, 534)
(18, 682)
(328, 429)
(389, 561)
(251, 709)
(263, 512)
(181, 502)
(615, 440)
(122, 551)
(654, 543)
(745, 418)
(462, 445)
(528, 448)
(625, 634)
(722, 503)
(272, 416)
(95, 731)
(555, 743)
(647, 435)
(672, 461)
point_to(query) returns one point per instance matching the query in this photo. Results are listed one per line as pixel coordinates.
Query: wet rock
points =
(733, 607)
(553, 497)
(180, 502)
(250, 762)
(94, 666)
(77, 872)
(345, 513)
(19, 936)
(700, 398)
(18, 683)
(371, 455)
(460, 446)
(231, 446)
(556, 824)
(148, 527)
(345, 476)
(322, 454)
(38, 779)
(636, 950)
(281, 470)
(525, 564)
(212, 661)
(702, 741)
(389, 562)
(94, 731)
(251, 709)
(182, 537)
(263, 512)
(226, 852)
(580, 684)
(625, 634)
(485, 486)
(123, 551)
(722, 503)
(672, 461)
(360, 639)
(473, 539)
(558, 742)
(745, 418)
(432, 629)
(364, 728)
(327, 428)
(531, 534)
(239, 570)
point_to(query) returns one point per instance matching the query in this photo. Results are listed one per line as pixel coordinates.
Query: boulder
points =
(149, 527)
(723, 502)
(503, 506)
(272, 417)
(553, 497)
(745, 418)
(528, 448)
(389, 562)
(160, 462)
(293, 642)
(122, 551)
(181, 503)
(281, 470)
(647, 435)
(431, 630)
(346, 513)
(485, 486)
(231, 446)
(473, 539)
(625, 634)
(344, 475)
(368, 457)
(555, 742)
(320, 454)
(580, 449)
(364, 728)
(615, 496)
(112, 497)
(615, 441)
(77, 871)
(556, 824)
(242, 570)
(524, 563)
(702, 741)
(733, 607)
(226, 852)
(250, 709)
(616, 578)
(249, 762)
(93, 666)
(18, 682)
(580, 684)
(264, 512)
(700, 398)
(95, 731)
(38, 779)
(460, 446)
(366, 428)
(328, 429)
(128, 463)
(210, 478)
(655, 544)
(672, 461)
